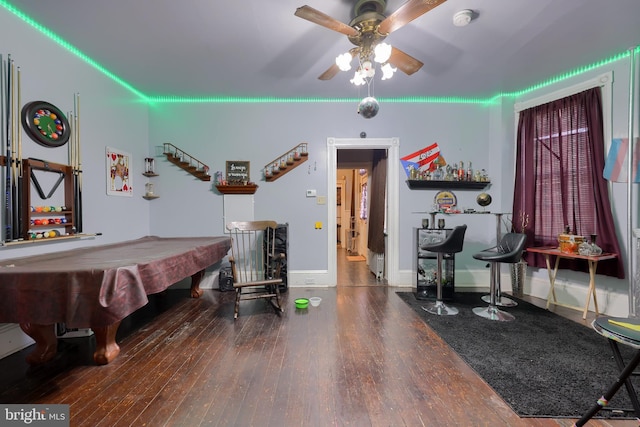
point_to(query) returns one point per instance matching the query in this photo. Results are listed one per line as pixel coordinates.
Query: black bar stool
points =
(451, 244)
(509, 250)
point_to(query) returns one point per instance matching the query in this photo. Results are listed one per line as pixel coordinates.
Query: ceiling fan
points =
(370, 27)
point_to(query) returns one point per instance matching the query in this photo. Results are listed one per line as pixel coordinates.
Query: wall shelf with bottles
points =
(284, 164)
(425, 184)
(237, 189)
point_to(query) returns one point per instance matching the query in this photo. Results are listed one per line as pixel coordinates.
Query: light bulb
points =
(358, 78)
(382, 52)
(387, 71)
(343, 61)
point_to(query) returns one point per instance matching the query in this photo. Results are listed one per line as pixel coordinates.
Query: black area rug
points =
(541, 364)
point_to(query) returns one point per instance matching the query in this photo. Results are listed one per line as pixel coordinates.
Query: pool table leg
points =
(46, 342)
(106, 347)
(196, 292)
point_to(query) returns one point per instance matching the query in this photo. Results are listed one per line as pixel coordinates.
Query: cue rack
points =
(18, 175)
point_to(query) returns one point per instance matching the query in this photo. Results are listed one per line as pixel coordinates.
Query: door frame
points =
(392, 145)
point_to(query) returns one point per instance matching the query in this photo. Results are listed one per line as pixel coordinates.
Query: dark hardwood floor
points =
(362, 358)
(355, 273)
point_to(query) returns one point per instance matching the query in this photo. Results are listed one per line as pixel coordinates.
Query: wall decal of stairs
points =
(186, 161)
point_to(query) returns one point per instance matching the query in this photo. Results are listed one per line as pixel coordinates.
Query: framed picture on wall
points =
(118, 173)
(238, 172)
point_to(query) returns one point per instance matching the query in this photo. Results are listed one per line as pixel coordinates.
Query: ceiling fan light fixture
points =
(462, 18)
(343, 61)
(382, 52)
(358, 78)
(387, 71)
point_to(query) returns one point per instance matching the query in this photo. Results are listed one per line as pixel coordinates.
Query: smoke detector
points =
(462, 18)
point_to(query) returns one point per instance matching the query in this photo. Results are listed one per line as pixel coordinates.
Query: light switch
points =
(321, 200)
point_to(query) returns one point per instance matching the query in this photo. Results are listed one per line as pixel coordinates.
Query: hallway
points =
(355, 273)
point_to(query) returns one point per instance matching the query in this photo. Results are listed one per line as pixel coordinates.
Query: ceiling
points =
(259, 48)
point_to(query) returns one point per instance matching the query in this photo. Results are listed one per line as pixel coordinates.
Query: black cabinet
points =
(282, 247)
(426, 265)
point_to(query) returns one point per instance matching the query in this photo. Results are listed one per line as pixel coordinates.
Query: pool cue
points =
(18, 231)
(3, 139)
(14, 171)
(9, 159)
(79, 163)
(6, 181)
(71, 138)
(72, 163)
(14, 160)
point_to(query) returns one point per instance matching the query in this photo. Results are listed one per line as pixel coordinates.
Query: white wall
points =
(260, 133)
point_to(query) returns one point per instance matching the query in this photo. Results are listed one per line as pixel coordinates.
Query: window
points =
(559, 183)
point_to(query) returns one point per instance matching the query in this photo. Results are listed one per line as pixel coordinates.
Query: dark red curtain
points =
(559, 182)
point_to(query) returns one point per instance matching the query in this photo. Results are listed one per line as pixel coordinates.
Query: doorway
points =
(353, 209)
(391, 145)
(352, 201)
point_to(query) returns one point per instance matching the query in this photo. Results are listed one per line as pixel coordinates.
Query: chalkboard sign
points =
(237, 172)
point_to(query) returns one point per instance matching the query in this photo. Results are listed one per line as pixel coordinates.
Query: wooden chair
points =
(255, 265)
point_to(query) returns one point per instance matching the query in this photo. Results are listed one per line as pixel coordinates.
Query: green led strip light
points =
(274, 100)
(68, 46)
(566, 75)
(168, 99)
(397, 100)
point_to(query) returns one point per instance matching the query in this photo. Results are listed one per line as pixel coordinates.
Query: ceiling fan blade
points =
(329, 73)
(405, 62)
(317, 17)
(406, 13)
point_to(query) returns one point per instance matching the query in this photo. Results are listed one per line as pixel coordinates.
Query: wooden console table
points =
(593, 260)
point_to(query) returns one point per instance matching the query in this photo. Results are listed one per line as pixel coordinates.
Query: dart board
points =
(45, 124)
